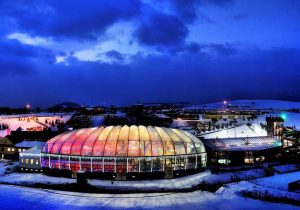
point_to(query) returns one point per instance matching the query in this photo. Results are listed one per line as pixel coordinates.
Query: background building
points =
(30, 160)
(241, 151)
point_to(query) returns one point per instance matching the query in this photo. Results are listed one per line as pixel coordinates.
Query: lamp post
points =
(28, 107)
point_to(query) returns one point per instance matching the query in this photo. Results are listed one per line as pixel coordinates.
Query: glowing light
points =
(224, 102)
(283, 116)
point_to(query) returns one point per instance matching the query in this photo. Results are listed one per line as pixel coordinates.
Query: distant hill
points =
(259, 104)
(65, 106)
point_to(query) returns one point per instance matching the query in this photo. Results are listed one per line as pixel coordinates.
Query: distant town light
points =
(224, 102)
(27, 106)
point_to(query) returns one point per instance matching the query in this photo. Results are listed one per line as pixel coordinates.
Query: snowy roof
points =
(243, 144)
(161, 115)
(179, 123)
(30, 144)
(33, 150)
(255, 130)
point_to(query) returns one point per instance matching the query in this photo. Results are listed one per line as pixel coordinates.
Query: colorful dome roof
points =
(124, 141)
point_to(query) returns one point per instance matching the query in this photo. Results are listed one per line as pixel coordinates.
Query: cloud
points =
(19, 59)
(160, 30)
(114, 55)
(222, 49)
(217, 2)
(239, 17)
(91, 42)
(81, 19)
(188, 10)
(25, 39)
(195, 76)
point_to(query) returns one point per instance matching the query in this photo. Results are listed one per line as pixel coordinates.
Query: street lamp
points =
(28, 107)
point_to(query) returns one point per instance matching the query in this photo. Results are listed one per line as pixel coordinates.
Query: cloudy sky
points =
(126, 51)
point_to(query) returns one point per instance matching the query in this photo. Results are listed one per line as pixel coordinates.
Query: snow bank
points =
(33, 178)
(8, 167)
(278, 181)
(287, 168)
(251, 190)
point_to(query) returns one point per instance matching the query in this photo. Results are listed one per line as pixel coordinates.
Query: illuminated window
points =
(19, 150)
(36, 162)
(12, 149)
(26, 161)
(248, 160)
(22, 160)
(31, 161)
(8, 149)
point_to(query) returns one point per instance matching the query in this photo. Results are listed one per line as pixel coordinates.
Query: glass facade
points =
(124, 149)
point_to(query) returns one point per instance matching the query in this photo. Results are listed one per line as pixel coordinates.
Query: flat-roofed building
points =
(242, 151)
(30, 160)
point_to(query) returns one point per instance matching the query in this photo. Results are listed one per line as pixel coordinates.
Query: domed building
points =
(131, 152)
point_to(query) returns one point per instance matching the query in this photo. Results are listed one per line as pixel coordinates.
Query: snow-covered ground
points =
(2, 169)
(259, 192)
(287, 168)
(279, 181)
(33, 178)
(13, 197)
(8, 167)
(145, 185)
(274, 188)
(227, 197)
(30, 121)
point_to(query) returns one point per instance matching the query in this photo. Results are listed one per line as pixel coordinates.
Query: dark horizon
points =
(127, 52)
(34, 106)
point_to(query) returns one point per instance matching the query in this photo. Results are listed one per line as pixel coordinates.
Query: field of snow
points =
(30, 122)
(14, 197)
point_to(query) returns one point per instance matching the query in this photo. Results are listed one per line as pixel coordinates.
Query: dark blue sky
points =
(126, 51)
